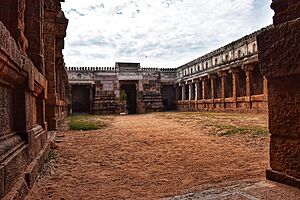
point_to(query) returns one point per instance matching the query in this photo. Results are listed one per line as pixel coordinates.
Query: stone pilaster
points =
(235, 80)
(280, 64)
(197, 89)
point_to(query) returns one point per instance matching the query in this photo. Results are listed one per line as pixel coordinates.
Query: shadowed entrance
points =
(80, 99)
(129, 87)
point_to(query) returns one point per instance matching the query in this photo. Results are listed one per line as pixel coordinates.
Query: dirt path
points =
(152, 156)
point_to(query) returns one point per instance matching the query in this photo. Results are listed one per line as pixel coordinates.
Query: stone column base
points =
(281, 177)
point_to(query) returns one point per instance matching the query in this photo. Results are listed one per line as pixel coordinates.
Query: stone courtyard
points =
(211, 146)
(163, 155)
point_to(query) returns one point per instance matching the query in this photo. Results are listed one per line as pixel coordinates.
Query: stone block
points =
(14, 166)
(19, 191)
(33, 169)
(280, 177)
(284, 106)
(279, 50)
(285, 155)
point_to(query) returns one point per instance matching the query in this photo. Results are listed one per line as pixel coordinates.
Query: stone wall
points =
(24, 89)
(280, 63)
(106, 83)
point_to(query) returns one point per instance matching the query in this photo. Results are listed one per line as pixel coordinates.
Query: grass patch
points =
(87, 122)
(227, 130)
(51, 155)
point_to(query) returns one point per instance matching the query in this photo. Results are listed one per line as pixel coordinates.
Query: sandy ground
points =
(154, 156)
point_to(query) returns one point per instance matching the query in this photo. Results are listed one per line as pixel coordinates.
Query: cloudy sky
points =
(157, 33)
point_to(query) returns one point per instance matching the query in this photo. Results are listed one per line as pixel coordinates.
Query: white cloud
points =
(157, 33)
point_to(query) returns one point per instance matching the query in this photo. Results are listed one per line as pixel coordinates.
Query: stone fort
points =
(258, 73)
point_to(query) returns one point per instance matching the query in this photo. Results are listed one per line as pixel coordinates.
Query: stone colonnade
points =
(239, 88)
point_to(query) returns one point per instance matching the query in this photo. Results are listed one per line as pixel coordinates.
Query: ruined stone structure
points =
(33, 88)
(97, 89)
(227, 79)
(280, 63)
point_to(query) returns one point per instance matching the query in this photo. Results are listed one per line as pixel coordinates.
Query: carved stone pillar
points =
(197, 89)
(235, 80)
(248, 69)
(280, 64)
(223, 75)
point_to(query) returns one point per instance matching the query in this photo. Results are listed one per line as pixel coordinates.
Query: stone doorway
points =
(80, 99)
(129, 87)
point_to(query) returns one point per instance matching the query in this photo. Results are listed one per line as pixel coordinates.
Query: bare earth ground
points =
(156, 156)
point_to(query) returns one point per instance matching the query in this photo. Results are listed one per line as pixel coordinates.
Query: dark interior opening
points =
(131, 96)
(241, 85)
(218, 87)
(80, 99)
(228, 86)
(208, 94)
(257, 82)
(187, 91)
(168, 95)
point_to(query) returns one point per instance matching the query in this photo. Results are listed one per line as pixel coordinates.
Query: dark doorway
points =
(131, 96)
(168, 96)
(80, 99)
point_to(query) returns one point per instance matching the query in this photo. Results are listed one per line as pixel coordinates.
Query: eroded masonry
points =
(34, 89)
(227, 79)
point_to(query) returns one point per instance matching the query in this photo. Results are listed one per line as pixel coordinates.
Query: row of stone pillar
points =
(209, 85)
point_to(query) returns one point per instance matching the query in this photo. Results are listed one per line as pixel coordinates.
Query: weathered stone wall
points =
(23, 94)
(106, 84)
(280, 63)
